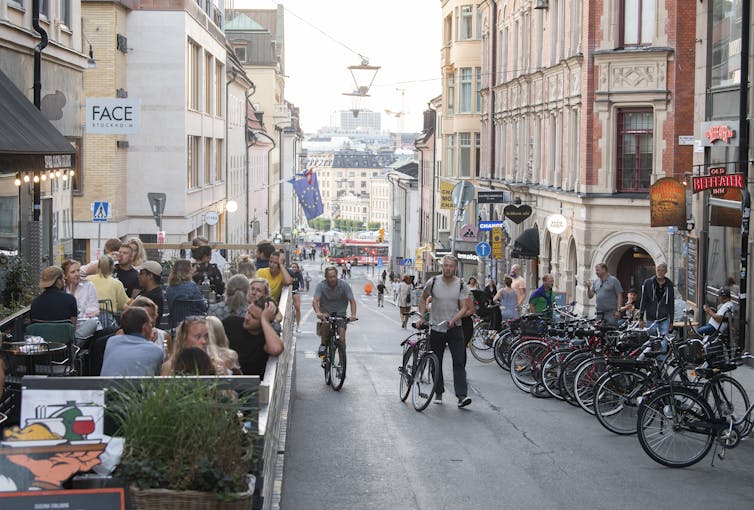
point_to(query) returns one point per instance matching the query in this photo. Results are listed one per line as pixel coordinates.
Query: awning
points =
(526, 246)
(28, 141)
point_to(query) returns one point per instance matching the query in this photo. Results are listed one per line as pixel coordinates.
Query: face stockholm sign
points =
(110, 116)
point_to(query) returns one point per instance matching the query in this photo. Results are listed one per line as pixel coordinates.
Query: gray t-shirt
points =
(333, 300)
(607, 293)
(445, 298)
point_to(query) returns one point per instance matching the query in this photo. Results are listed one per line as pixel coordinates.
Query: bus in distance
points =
(358, 252)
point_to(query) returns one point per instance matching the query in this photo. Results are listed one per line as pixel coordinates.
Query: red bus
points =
(359, 252)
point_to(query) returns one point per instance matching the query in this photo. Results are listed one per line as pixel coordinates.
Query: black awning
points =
(526, 246)
(28, 141)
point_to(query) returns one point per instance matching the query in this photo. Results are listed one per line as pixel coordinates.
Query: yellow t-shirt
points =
(109, 288)
(276, 282)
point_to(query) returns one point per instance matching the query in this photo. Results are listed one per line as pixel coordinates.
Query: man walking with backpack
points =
(451, 301)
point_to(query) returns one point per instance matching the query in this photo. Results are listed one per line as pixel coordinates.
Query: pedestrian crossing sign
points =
(100, 211)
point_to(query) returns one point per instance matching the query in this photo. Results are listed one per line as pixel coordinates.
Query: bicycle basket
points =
(532, 327)
(634, 338)
(716, 354)
(692, 352)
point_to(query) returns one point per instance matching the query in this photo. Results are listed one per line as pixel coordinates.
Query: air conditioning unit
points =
(540, 4)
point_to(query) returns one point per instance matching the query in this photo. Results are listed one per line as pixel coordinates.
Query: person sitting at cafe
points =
(150, 281)
(193, 361)
(86, 300)
(53, 304)
(112, 249)
(235, 298)
(205, 269)
(191, 332)
(107, 287)
(132, 353)
(253, 337)
(126, 272)
(181, 288)
(276, 274)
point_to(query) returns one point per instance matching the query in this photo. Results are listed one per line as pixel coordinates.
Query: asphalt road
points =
(363, 448)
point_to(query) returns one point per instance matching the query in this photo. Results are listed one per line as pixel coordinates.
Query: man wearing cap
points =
(150, 280)
(53, 304)
(717, 320)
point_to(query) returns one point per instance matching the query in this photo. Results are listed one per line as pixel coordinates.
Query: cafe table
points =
(24, 358)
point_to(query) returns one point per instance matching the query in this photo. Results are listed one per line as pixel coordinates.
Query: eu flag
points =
(307, 192)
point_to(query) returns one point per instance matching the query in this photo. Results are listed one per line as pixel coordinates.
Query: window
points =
(477, 153)
(207, 161)
(465, 103)
(77, 181)
(638, 19)
(44, 8)
(635, 141)
(450, 155)
(219, 160)
(192, 76)
(726, 43)
(209, 67)
(240, 53)
(464, 154)
(219, 87)
(478, 97)
(466, 23)
(450, 93)
(192, 162)
(65, 12)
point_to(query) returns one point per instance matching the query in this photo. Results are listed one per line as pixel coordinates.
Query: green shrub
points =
(19, 289)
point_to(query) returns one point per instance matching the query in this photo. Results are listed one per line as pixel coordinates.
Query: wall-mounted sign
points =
(489, 225)
(686, 140)
(446, 191)
(469, 232)
(720, 133)
(211, 218)
(110, 116)
(691, 270)
(467, 256)
(517, 213)
(667, 203)
(490, 197)
(496, 238)
(717, 181)
(556, 224)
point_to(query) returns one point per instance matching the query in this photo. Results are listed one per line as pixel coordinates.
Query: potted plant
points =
(186, 444)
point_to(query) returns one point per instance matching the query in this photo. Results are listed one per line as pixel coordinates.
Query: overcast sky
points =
(403, 37)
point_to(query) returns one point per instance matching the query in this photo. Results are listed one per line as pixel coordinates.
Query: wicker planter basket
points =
(167, 499)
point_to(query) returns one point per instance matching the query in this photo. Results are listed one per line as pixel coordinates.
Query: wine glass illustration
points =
(83, 425)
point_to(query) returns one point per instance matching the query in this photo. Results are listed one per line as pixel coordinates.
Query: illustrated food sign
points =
(667, 203)
(718, 181)
(110, 116)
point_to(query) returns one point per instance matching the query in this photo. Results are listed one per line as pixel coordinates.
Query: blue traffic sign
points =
(379, 261)
(483, 249)
(100, 211)
(489, 225)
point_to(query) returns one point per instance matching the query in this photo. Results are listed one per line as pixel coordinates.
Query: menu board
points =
(692, 269)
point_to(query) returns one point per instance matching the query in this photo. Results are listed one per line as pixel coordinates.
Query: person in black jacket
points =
(202, 255)
(658, 300)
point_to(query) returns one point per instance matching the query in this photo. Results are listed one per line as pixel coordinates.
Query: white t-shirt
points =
(722, 310)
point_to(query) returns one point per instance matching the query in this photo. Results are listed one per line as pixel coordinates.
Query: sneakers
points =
(464, 401)
(438, 398)
(322, 352)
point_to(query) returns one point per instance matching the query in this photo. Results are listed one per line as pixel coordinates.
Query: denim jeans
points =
(707, 329)
(457, 346)
(660, 327)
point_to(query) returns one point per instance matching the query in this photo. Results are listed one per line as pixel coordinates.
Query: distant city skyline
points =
(403, 38)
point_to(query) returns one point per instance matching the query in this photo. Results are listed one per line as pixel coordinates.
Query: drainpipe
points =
(227, 150)
(37, 200)
(743, 163)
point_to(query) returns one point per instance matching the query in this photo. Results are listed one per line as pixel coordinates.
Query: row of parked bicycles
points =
(676, 393)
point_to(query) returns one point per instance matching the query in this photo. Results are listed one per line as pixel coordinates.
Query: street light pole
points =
(743, 163)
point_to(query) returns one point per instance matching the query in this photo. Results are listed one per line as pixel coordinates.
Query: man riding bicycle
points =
(331, 297)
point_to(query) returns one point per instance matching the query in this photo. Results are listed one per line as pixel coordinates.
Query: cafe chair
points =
(107, 317)
(183, 308)
(61, 362)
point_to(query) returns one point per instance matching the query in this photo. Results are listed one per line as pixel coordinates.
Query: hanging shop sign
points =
(718, 181)
(446, 191)
(667, 203)
(720, 133)
(556, 224)
(517, 213)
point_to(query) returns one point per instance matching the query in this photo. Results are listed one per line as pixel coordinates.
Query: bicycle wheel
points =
(481, 342)
(501, 349)
(526, 363)
(551, 367)
(674, 428)
(583, 384)
(409, 353)
(326, 362)
(616, 401)
(337, 366)
(568, 374)
(423, 388)
(733, 400)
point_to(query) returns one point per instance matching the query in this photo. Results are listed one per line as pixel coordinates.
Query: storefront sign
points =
(496, 237)
(489, 225)
(490, 197)
(720, 133)
(467, 256)
(517, 213)
(446, 190)
(111, 116)
(667, 203)
(717, 181)
(556, 224)
(691, 270)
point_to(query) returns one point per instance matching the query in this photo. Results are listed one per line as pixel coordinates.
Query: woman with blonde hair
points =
(107, 287)
(139, 253)
(191, 332)
(225, 358)
(86, 299)
(235, 298)
(246, 267)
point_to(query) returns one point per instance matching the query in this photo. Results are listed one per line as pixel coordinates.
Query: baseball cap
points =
(724, 292)
(153, 267)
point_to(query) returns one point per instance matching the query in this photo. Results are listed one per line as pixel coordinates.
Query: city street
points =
(363, 448)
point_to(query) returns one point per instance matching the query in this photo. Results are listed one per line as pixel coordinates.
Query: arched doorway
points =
(633, 266)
